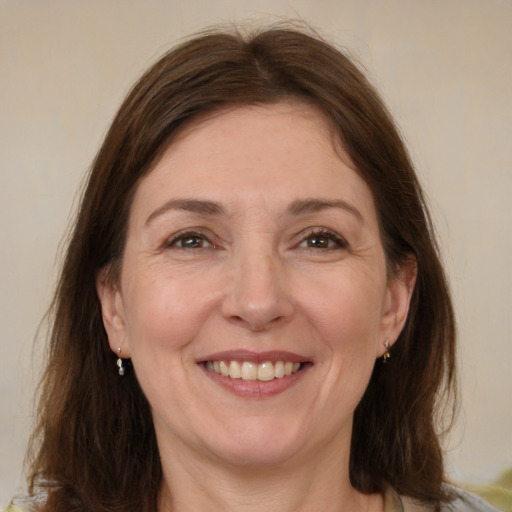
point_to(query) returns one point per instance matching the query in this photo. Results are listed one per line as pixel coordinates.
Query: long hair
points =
(94, 443)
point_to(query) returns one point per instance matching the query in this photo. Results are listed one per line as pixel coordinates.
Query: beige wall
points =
(445, 69)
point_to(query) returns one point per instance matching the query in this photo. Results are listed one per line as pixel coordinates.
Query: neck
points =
(321, 482)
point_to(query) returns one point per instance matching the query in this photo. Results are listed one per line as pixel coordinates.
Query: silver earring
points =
(119, 363)
(387, 355)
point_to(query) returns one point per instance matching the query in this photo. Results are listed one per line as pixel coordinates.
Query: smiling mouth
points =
(252, 371)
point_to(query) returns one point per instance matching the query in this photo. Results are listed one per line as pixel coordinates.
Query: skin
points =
(264, 274)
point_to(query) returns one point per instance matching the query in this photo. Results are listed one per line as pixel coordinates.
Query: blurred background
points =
(444, 67)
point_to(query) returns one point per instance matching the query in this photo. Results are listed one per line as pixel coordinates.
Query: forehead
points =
(265, 153)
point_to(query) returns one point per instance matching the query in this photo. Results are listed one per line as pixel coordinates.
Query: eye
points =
(189, 240)
(323, 239)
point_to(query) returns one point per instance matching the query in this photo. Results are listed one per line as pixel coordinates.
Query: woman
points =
(251, 314)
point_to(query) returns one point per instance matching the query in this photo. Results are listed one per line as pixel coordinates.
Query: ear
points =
(113, 315)
(397, 301)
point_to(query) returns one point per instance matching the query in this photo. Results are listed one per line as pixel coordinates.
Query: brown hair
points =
(95, 445)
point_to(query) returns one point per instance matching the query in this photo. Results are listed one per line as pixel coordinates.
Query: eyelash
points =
(330, 236)
(172, 242)
(327, 234)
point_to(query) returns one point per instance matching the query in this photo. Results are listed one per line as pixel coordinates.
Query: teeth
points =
(247, 370)
(279, 369)
(224, 368)
(266, 371)
(235, 371)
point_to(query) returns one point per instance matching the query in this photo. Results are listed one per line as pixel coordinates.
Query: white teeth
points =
(248, 370)
(279, 369)
(266, 371)
(235, 371)
(224, 368)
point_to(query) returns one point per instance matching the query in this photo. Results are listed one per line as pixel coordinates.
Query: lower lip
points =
(257, 388)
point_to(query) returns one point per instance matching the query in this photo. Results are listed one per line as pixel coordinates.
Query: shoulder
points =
(20, 507)
(465, 501)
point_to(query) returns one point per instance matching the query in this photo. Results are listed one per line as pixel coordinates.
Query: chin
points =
(259, 444)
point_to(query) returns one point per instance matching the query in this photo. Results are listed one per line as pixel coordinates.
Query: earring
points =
(387, 355)
(119, 363)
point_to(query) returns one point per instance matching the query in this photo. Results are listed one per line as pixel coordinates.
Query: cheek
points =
(347, 313)
(165, 313)
(152, 315)
(161, 323)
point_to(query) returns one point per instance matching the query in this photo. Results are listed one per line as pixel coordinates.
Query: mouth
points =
(252, 374)
(249, 370)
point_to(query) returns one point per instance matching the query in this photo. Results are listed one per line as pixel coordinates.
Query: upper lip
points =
(254, 357)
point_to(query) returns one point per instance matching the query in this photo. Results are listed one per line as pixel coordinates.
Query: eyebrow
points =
(211, 208)
(312, 205)
(200, 207)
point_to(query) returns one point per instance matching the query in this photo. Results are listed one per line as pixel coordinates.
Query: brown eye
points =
(323, 240)
(319, 242)
(189, 241)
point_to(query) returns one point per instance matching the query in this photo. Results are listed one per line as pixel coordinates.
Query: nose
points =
(257, 294)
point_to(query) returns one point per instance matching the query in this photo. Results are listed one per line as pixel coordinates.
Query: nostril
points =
(262, 316)
(255, 324)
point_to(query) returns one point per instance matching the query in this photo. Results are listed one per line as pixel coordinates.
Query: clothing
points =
(463, 502)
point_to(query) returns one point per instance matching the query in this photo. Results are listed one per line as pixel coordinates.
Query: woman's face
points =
(253, 297)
